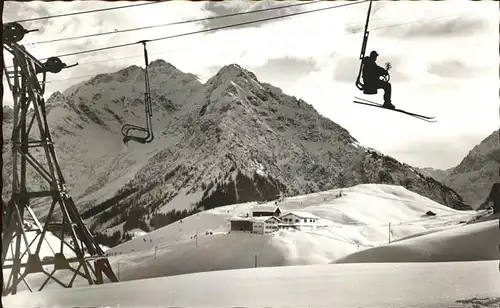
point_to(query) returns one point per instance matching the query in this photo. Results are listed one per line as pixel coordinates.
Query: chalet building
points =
(267, 221)
(266, 211)
(302, 221)
(259, 225)
(264, 225)
(241, 224)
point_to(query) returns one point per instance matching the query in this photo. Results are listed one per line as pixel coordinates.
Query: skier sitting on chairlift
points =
(371, 79)
(370, 72)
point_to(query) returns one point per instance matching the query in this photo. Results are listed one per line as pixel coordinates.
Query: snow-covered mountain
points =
(230, 140)
(437, 174)
(473, 177)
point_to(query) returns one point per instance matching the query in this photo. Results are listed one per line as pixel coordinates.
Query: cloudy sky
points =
(443, 54)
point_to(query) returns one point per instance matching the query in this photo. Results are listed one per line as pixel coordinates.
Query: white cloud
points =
(463, 106)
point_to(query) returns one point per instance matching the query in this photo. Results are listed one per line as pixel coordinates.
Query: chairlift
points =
(370, 90)
(366, 33)
(128, 130)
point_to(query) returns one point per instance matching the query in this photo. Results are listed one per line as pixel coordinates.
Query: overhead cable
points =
(172, 23)
(208, 30)
(87, 12)
(159, 53)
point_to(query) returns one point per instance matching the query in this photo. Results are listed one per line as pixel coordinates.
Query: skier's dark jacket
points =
(371, 71)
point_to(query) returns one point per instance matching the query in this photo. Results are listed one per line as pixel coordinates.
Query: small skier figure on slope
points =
(371, 78)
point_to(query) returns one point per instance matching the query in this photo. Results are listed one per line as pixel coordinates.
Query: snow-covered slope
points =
(356, 221)
(230, 140)
(351, 220)
(474, 242)
(409, 285)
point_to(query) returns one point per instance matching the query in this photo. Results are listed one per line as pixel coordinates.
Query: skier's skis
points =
(418, 116)
(415, 115)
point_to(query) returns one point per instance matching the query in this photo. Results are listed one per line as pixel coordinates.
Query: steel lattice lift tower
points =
(23, 233)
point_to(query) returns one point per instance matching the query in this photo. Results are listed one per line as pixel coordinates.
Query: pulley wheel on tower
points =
(13, 32)
(54, 65)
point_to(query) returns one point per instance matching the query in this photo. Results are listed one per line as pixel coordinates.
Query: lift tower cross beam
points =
(34, 158)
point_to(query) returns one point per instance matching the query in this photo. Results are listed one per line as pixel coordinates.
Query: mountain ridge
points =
(473, 176)
(229, 140)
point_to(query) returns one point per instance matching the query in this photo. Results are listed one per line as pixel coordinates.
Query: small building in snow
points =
(264, 225)
(299, 220)
(265, 220)
(266, 211)
(241, 224)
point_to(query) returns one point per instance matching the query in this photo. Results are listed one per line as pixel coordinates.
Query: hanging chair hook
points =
(148, 129)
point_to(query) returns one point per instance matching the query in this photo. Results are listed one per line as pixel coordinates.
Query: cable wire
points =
(129, 57)
(172, 23)
(160, 53)
(90, 11)
(206, 30)
(415, 21)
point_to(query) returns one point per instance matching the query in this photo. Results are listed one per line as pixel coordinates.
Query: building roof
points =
(265, 208)
(302, 215)
(237, 218)
(264, 218)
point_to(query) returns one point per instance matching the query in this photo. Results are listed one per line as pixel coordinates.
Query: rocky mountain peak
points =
(233, 73)
(169, 79)
(132, 70)
(485, 152)
(56, 96)
(56, 99)
(161, 67)
(230, 140)
(235, 85)
(162, 63)
(476, 173)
